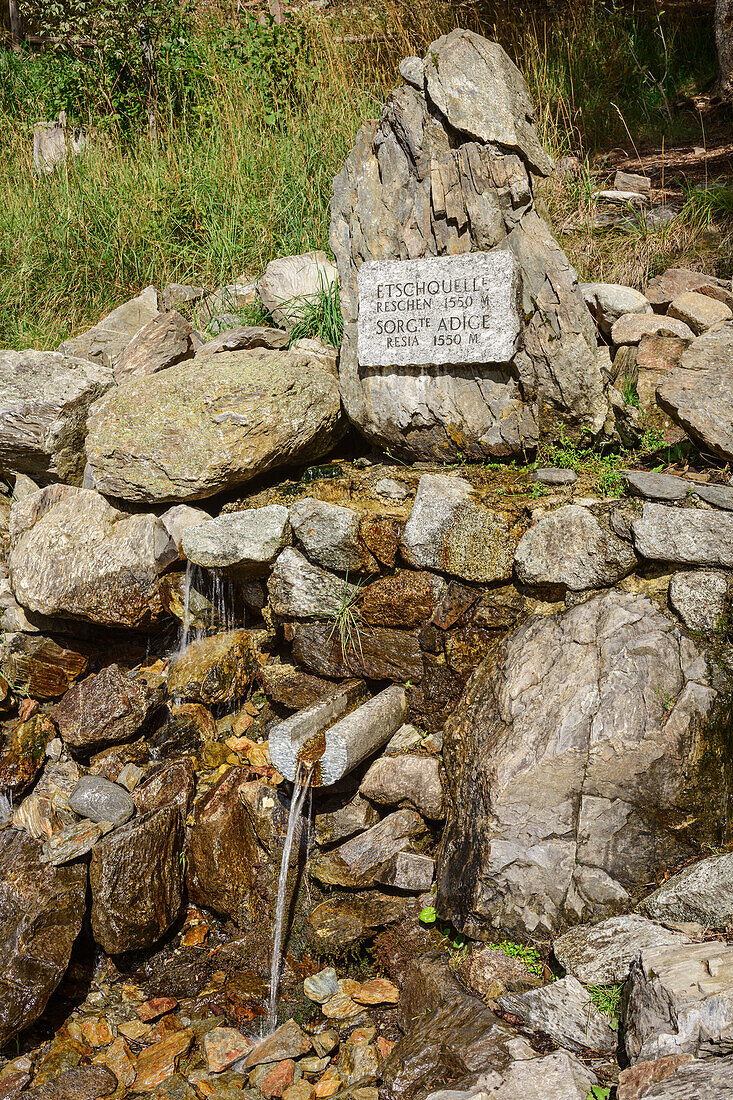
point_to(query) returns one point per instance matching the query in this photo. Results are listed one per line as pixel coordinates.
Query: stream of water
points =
(301, 787)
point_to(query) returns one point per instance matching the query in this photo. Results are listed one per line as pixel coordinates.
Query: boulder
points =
(700, 598)
(342, 922)
(334, 823)
(583, 760)
(408, 871)
(406, 599)
(42, 667)
(73, 555)
(448, 170)
(677, 1077)
(608, 302)
(106, 341)
(329, 536)
(288, 280)
(701, 893)
(679, 1000)
(556, 1076)
(216, 669)
(99, 800)
(358, 862)
(685, 536)
(698, 311)
(245, 337)
(210, 424)
(631, 327)
(564, 1011)
(44, 402)
(569, 547)
(41, 912)
(166, 339)
(291, 686)
(678, 280)
(411, 782)
(701, 401)
(222, 849)
(106, 709)
(136, 880)
(299, 590)
(248, 540)
(450, 531)
(602, 954)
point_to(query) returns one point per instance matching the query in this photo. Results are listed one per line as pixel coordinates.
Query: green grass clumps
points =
(607, 999)
(604, 467)
(530, 956)
(318, 315)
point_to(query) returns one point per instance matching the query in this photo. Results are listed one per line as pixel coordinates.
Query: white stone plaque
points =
(445, 309)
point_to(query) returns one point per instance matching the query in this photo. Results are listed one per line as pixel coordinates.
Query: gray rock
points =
(602, 954)
(178, 518)
(609, 301)
(554, 475)
(358, 862)
(222, 309)
(409, 871)
(245, 337)
(698, 311)
(72, 554)
(471, 120)
(448, 531)
(569, 547)
(208, 424)
(71, 843)
(100, 800)
(322, 986)
(329, 536)
(701, 893)
(412, 71)
(703, 1079)
(290, 279)
(44, 402)
(564, 1011)
(699, 395)
(181, 295)
(556, 1076)
(412, 782)
(249, 540)
(686, 536)
(82, 1083)
(549, 756)
(720, 496)
(631, 327)
(654, 486)
(106, 341)
(299, 590)
(166, 339)
(344, 821)
(699, 598)
(482, 94)
(679, 1000)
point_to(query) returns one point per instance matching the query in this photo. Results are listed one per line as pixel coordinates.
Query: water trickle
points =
(301, 786)
(186, 622)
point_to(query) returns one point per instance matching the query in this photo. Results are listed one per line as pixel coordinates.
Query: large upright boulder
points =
(44, 402)
(73, 555)
(587, 755)
(212, 423)
(449, 169)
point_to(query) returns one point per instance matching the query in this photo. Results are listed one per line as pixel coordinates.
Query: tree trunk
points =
(724, 43)
(148, 58)
(16, 30)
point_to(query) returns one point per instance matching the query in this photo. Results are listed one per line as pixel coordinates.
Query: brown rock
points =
(382, 537)
(222, 848)
(339, 923)
(341, 1007)
(286, 1042)
(277, 1079)
(83, 1083)
(132, 909)
(374, 652)
(299, 1090)
(403, 600)
(223, 1046)
(41, 910)
(408, 781)
(163, 341)
(378, 991)
(41, 667)
(159, 1061)
(157, 1007)
(119, 1060)
(677, 280)
(22, 761)
(291, 686)
(217, 669)
(635, 1081)
(189, 726)
(105, 709)
(167, 785)
(357, 862)
(457, 599)
(489, 972)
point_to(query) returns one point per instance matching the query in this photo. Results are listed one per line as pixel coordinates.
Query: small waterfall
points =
(301, 787)
(186, 623)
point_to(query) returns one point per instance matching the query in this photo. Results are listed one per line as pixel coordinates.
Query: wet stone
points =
(105, 709)
(339, 923)
(73, 842)
(83, 1083)
(378, 991)
(410, 872)
(358, 862)
(99, 800)
(287, 1041)
(159, 1061)
(322, 986)
(223, 1046)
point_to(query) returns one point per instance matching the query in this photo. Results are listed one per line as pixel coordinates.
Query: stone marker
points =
(447, 309)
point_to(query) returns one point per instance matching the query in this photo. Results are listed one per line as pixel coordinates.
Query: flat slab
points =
(445, 309)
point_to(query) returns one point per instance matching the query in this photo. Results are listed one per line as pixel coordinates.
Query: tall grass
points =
(255, 123)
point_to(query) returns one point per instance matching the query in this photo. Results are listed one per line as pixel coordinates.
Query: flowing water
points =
(301, 787)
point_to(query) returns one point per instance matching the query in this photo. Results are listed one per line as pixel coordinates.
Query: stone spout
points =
(336, 735)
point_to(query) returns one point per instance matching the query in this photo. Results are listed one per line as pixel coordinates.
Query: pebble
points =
(223, 1046)
(322, 986)
(341, 1007)
(379, 991)
(325, 1041)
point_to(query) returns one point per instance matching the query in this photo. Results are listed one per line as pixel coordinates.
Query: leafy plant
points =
(529, 955)
(599, 1092)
